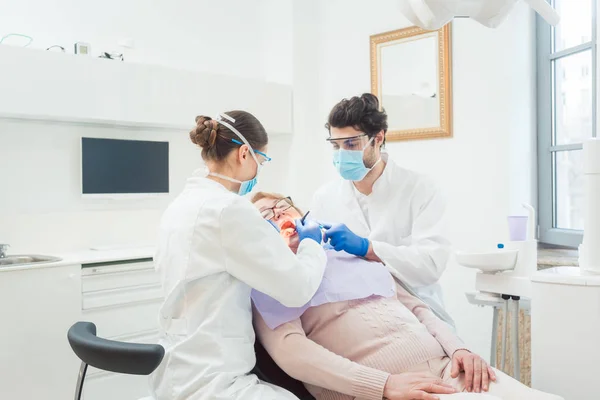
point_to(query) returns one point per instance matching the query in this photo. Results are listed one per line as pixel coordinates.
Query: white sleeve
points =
(423, 260)
(258, 256)
(317, 205)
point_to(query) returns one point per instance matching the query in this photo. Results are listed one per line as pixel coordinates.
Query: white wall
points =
(487, 169)
(41, 209)
(242, 38)
(322, 48)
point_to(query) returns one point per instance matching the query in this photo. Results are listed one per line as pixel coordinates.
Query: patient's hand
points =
(415, 386)
(477, 372)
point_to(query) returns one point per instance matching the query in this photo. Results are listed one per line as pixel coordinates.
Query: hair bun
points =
(205, 133)
(370, 101)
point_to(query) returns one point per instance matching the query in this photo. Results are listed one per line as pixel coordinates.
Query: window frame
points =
(548, 233)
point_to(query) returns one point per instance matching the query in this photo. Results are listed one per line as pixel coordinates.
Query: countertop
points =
(88, 257)
(547, 258)
(557, 257)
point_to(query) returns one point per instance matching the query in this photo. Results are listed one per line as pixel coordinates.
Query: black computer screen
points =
(114, 166)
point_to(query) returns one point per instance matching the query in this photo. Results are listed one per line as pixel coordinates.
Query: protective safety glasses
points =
(280, 206)
(348, 143)
(265, 157)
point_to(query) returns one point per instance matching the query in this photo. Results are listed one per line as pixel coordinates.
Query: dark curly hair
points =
(362, 113)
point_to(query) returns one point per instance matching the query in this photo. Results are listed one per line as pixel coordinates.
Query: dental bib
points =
(346, 277)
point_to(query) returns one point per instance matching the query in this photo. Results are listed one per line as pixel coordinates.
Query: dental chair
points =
(267, 370)
(143, 359)
(108, 355)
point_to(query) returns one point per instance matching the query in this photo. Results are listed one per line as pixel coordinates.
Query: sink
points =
(27, 259)
(490, 261)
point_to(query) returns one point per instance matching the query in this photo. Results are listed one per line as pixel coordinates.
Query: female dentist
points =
(213, 249)
(378, 210)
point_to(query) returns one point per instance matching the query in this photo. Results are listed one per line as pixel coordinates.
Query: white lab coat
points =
(404, 224)
(213, 248)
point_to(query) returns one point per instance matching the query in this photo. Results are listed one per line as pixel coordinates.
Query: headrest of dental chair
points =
(268, 371)
(109, 355)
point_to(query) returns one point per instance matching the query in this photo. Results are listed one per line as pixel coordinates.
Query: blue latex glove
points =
(342, 238)
(309, 230)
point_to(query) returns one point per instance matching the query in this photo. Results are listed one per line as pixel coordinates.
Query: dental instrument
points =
(493, 355)
(515, 338)
(504, 331)
(342, 238)
(505, 275)
(304, 217)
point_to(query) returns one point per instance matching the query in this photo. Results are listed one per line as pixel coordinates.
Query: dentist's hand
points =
(477, 372)
(415, 386)
(309, 230)
(342, 238)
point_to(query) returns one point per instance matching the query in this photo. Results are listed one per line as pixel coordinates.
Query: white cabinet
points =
(123, 300)
(93, 90)
(37, 307)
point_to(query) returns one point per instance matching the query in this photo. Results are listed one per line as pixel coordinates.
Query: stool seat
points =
(110, 355)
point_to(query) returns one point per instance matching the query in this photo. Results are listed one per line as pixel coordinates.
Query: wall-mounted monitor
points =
(115, 167)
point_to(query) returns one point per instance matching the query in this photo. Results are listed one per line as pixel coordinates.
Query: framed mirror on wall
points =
(412, 77)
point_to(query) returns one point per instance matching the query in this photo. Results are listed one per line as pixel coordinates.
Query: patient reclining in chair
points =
(364, 333)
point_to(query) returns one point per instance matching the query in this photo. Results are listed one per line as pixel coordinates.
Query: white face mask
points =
(245, 186)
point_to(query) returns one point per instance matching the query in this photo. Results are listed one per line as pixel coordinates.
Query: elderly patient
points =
(364, 336)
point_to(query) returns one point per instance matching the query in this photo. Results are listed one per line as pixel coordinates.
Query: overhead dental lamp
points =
(433, 14)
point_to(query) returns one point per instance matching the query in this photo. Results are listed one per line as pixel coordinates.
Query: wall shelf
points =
(64, 88)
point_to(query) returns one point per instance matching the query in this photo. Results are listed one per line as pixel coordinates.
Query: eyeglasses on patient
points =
(280, 206)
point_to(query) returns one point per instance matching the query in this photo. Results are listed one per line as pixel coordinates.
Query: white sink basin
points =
(26, 259)
(490, 261)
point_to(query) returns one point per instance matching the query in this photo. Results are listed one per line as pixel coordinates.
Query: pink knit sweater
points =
(352, 347)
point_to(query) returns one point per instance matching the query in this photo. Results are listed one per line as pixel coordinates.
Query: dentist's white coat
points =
(404, 223)
(214, 247)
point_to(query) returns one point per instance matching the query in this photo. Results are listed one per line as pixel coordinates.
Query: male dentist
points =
(379, 210)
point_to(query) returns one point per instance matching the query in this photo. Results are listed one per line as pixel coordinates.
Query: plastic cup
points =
(517, 228)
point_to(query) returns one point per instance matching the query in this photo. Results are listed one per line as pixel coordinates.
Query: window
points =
(566, 90)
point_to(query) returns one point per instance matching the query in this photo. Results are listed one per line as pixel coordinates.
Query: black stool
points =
(109, 355)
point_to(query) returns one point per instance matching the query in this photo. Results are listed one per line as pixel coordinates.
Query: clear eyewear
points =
(281, 206)
(265, 157)
(349, 143)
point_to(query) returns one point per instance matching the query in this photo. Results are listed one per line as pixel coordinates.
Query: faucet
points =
(3, 248)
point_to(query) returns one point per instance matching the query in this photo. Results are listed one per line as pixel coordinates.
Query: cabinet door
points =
(38, 306)
(102, 385)
(123, 301)
(116, 387)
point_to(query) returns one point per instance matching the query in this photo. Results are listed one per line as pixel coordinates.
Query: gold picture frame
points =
(444, 80)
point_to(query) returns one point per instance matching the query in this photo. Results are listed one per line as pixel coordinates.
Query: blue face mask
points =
(247, 186)
(350, 164)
